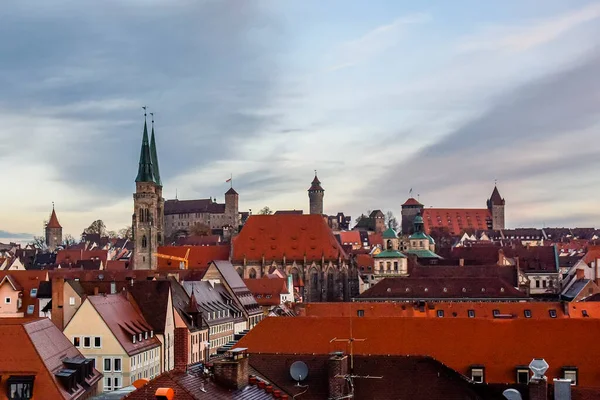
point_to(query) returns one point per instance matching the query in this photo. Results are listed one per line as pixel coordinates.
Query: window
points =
(360, 313)
(107, 383)
(87, 342)
(145, 335)
(144, 242)
(477, 374)
(584, 313)
(77, 341)
(107, 364)
(30, 309)
(537, 283)
(523, 375)
(116, 382)
(33, 292)
(527, 313)
(544, 283)
(133, 339)
(471, 313)
(20, 387)
(117, 365)
(440, 313)
(71, 301)
(496, 313)
(552, 313)
(140, 337)
(7, 300)
(570, 373)
(97, 342)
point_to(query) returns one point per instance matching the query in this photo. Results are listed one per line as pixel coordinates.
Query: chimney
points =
(181, 349)
(164, 394)
(538, 389)
(562, 389)
(57, 314)
(95, 290)
(232, 371)
(580, 273)
(337, 368)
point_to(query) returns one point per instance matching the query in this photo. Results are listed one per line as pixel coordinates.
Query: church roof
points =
(155, 169)
(145, 169)
(53, 223)
(456, 220)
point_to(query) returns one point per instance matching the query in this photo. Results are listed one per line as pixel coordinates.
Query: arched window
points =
(144, 242)
(389, 244)
(142, 214)
(252, 273)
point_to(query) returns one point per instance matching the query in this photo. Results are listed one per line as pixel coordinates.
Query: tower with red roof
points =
(53, 231)
(315, 196)
(410, 209)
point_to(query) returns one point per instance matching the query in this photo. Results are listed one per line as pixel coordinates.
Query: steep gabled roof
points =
(267, 291)
(152, 298)
(145, 167)
(53, 223)
(495, 198)
(291, 236)
(315, 185)
(412, 202)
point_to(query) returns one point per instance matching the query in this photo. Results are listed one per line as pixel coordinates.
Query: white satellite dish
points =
(538, 366)
(512, 394)
(298, 371)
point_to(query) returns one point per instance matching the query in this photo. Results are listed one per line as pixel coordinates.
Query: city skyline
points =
(425, 98)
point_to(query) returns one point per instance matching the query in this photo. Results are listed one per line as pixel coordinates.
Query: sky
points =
(379, 97)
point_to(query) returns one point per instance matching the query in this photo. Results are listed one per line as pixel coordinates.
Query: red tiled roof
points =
(199, 240)
(500, 345)
(412, 202)
(263, 287)
(73, 256)
(37, 347)
(350, 237)
(534, 258)
(364, 260)
(592, 254)
(290, 236)
(456, 219)
(376, 239)
(123, 319)
(53, 223)
(199, 257)
(116, 265)
(26, 281)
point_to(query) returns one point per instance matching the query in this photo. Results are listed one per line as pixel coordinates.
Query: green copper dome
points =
(390, 234)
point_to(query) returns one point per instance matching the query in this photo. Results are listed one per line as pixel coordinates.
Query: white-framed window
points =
(570, 373)
(71, 301)
(151, 333)
(107, 384)
(145, 335)
(87, 342)
(7, 300)
(140, 337)
(471, 313)
(33, 292)
(76, 341)
(116, 382)
(97, 342)
(30, 309)
(117, 367)
(477, 374)
(133, 339)
(107, 364)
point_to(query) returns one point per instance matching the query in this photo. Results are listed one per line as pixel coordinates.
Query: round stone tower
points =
(315, 196)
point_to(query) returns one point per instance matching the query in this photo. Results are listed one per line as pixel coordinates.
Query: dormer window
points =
(133, 339)
(140, 337)
(151, 334)
(552, 313)
(33, 292)
(20, 387)
(570, 373)
(146, 335)
(478, 373)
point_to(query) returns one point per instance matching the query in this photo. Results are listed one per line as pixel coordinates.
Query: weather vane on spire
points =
(144, 107)
(315, 172)
(152, 115)
(53, 205)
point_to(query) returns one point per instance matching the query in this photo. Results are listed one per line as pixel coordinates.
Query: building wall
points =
(543, 283)
(232, 214)
(87, 323)
(219, 335)
(53, 238)
(315, 201)
(167, 340)
(408, 216)
(498, 217)
(197, 346)
(9, 301)
(185, 221)
(71, 303)
(391, 266)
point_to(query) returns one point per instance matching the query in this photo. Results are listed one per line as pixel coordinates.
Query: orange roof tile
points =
(40, 351)
(350, 237)
(199, 257)
(412, 202)
(456, 219)
(72, 256)
(263, 287)
(500, 345)
(53, 223)
(292, 236)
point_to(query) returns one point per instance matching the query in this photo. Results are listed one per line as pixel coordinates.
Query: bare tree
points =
(265, 211)
(391, 221)
(112, 234)
(96, 227)
(126, 233)
(69, 240)
(39, 242)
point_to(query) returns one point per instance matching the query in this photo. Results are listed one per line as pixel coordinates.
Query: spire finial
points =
(152, 114)
(52, 206)
(495, 182)
(231, 180)
(315, 172)
(175, 193)
(144, 107)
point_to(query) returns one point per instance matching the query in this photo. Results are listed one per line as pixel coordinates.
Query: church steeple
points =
(145, 169)
(155, 169)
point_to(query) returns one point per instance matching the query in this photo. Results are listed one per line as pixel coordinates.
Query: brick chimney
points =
(337, 368)
(57, 314)
(232, 371)
(181, 348)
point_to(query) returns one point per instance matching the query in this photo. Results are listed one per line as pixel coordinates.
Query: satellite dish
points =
(538, 366)
(512, 394)
(299, 371)
(101, 276)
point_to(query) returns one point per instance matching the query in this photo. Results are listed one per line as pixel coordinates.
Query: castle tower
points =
(410, 209)
(53, 232)
(496, 206)
(148, 216)
(232, 214)
(315, 196)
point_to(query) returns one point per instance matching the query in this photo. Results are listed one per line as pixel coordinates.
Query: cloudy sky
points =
(379, 97)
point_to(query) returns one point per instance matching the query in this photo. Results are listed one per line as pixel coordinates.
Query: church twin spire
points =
(148, 170)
